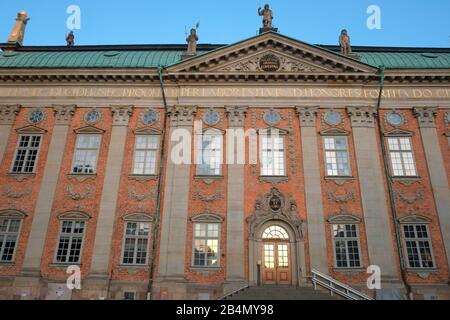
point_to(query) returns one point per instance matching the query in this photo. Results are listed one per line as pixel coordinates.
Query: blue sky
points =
(423, 23)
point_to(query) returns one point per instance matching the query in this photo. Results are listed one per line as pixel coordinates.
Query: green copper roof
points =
(413, 60)
(89, 59)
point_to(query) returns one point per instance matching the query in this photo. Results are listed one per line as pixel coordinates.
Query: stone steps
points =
(281, 293)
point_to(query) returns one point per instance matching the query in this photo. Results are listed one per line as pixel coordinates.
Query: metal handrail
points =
(233, 292)
(337, 287)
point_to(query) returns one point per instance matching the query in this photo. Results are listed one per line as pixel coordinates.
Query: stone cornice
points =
(426, 116)
(363, 116)
(236, 115)
(307, 115)
(8, 113)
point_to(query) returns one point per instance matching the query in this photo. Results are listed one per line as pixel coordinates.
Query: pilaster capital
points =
(63, 113)
(8, 113)
(426, 116)
(121, 114)
(362, 116)
(307, 115)
(182, 115)
(236, 115)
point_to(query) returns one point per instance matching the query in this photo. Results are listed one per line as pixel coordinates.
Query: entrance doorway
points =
(276, 256)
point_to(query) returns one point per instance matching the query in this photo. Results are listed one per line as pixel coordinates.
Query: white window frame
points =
(157, 137)
(136, 237)
(96, 154)
(207, 219)
(218, 154)
(355, 223)
(60, 234)
(268, 134)
(8, 216)
(336, 151)
(402, 159)
(28, 149)
(416, 240)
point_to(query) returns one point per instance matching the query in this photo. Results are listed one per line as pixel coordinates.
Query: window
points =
(346, 246)
(26, 153)
(145, 154)
(272, 155)
(135, 248)
(418, 246)
(206, 244)
(209, 155)
(9, 234)
(336, 156)
(129, 295)
(86, 151)
(402, 160)
(70, 241)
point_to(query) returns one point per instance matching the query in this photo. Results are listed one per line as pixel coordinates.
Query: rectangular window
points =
(9, 233)
(70, 241)
(86, 151)
(135, 249)
(145, 154)
(206, 244)
(129, 295)
(209, 155)
(336, 156)
(26, 154)
(272, 155)
(418, 246)
(346, 246)
(402, 160)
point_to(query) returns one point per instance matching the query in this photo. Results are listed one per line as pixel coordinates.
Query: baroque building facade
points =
(354, 178)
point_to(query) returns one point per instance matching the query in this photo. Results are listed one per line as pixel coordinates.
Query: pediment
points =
(272, 53)
(89, 129)
(334, 132)
(147, 131)
(398, 133)
(31, 130)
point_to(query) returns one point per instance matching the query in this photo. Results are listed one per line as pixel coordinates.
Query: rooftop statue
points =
(267, 15)
(18, 32)
(344, 42)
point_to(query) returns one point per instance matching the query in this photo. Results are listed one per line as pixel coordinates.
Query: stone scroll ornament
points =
(349, 196)
(78, 196)
(418, 196)
(141, 197)
(9, 193)
(198, 195)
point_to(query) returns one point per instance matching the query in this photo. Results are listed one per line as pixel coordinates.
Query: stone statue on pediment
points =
(267, 15)
(344, 42)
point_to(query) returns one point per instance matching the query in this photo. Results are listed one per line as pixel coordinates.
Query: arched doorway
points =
(276, 256)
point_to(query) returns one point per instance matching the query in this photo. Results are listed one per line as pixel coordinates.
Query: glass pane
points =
(275, 232)
(269, 256)
(283, 256)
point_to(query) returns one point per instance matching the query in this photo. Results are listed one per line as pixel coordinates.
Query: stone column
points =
(108, 201)
(235, 203)
(176, 198)
(313, 191)
(436, 169)
(7, 116)
(373, 192)
(44, 204)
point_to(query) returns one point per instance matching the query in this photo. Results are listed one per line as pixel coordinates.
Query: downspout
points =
(160, 179)
(390, 188)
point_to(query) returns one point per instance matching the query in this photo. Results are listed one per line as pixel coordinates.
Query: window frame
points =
(12, 215)
(96, 154)
(75, 217)
(22, 134)
(267, 133)
(124, 237)
(347, 152)
(391, 165)
(207, 219)
(157, 151)
(199, 152)
(416, 240)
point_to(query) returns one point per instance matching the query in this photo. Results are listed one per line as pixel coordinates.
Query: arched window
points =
(275, 232)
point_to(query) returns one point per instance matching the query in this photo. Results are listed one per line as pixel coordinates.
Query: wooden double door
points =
(276, 262)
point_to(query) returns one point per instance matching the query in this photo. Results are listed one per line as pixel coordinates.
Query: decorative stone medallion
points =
(92, 117)
(333, 118)
(395, 118)
(211, 117)
(269, 63)
(149, 117)
(275, 203)
(36, 116)
(272, 118)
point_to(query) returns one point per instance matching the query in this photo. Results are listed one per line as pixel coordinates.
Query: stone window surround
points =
(207, 218)
(30, 130)
(346, 219)
(89, 130)
(273, 178)
(136, 217)
(215, 132)
(336, 132)
(391, 169)
(71, 216)
(16, 215)
(417, 220)
(143, 132)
